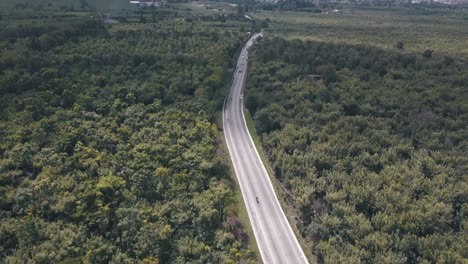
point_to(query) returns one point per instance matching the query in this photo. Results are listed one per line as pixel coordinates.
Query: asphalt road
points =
(275, 238)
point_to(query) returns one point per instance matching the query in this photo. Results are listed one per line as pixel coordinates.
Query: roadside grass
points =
(444, 31)
(239, 209)
(290, 213)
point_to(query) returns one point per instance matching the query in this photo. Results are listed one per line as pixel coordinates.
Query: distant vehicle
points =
(240, 71)
(242, 96)
(256, 197)
(243, 57)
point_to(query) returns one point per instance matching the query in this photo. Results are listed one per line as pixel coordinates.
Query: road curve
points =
(275, 238)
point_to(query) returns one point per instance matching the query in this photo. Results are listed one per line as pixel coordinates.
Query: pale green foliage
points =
(374, 157)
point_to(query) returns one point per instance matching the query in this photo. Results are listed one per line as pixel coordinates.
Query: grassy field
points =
(444, 31)
(205, 8)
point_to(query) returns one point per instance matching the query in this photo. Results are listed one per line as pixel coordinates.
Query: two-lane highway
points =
(275, 238)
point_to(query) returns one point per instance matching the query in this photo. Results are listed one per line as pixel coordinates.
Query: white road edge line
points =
(244, 196)
(263, 167)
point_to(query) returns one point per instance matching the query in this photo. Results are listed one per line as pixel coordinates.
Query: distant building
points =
(143, 3)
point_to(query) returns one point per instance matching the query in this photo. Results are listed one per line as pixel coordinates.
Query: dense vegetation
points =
(108, 150)
(370, 146)
(443, 30)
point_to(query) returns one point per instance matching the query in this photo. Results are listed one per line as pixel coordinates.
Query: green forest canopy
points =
(371, 146)
(108, 151)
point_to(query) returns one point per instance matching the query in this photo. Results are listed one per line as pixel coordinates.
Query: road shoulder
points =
(290, 211)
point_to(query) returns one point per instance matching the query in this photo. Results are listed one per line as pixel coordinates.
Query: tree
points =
(328, 72)
(109, 154)
(427, 54)
(400, 45)
(264, 122)
(358, 158)
(253, 103)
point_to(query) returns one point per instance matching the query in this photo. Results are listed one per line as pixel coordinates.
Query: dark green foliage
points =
(371, 146)
(264, 122)
(427, 54)
(400, 45)
(108, 153)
